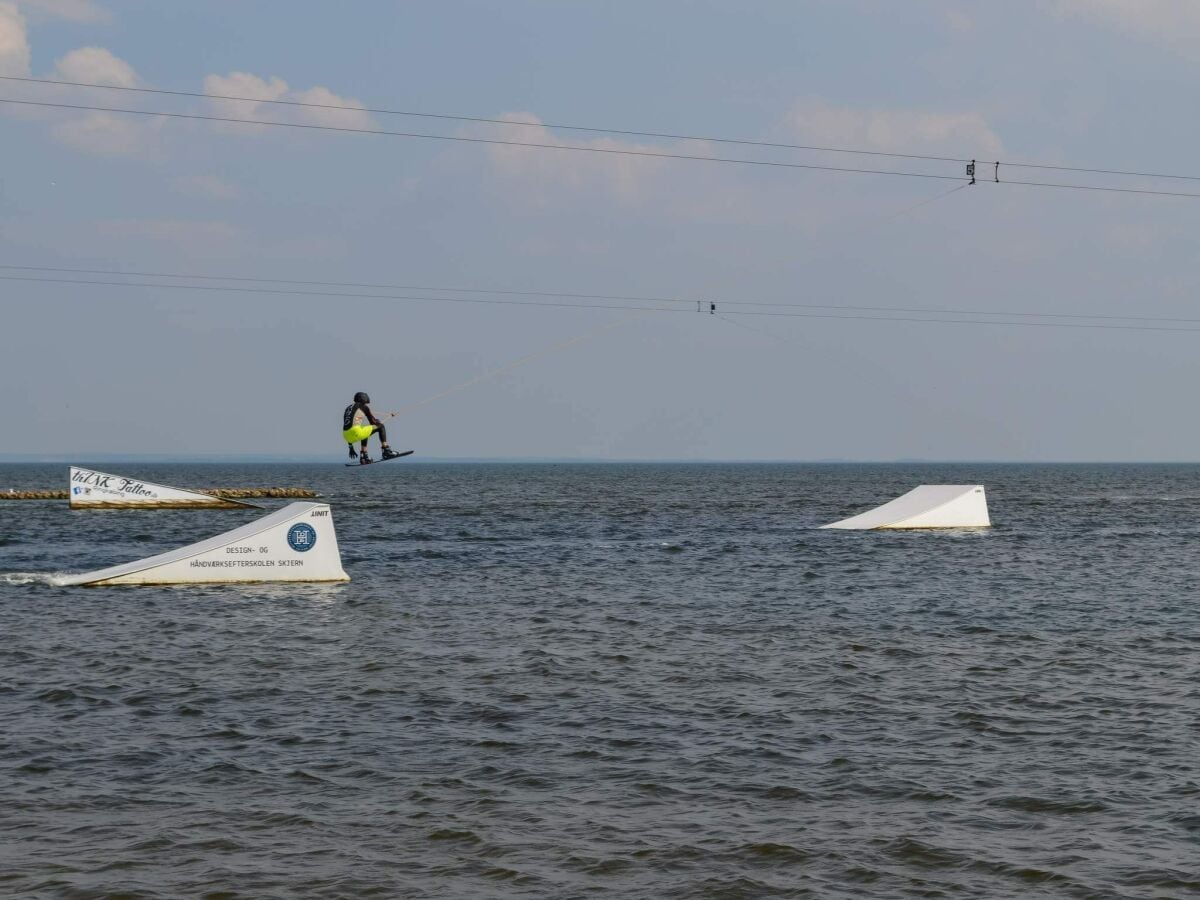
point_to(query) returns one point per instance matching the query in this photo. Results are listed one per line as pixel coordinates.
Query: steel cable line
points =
(745, 142)
(1089, 187)
(590, 305)
(487, 121)
(1082, 170)
(380, 132)
(690, 302)
(611, 151)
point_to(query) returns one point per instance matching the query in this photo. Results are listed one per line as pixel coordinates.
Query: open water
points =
(617, 681)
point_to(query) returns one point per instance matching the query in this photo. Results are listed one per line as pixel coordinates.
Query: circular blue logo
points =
(302, 537)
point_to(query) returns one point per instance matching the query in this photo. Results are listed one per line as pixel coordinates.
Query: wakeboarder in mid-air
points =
(358, 424)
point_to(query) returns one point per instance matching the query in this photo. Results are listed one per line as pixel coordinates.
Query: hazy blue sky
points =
(1107, 84)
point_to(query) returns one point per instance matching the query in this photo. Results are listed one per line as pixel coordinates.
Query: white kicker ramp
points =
(100, 490)
(296, 543)
(927, 506)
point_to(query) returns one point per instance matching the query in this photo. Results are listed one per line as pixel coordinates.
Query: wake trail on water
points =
(53, 579)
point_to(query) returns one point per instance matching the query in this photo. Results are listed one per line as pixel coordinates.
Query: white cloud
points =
(892, 130)
(1175, 23)
(95, 65)
(14, 43)
(80, 11)
(101, 132)
(353, 117)
(114, 134)
(727, 195)
(242, 84)
(106, 134)
(257, 89)
(541, 176)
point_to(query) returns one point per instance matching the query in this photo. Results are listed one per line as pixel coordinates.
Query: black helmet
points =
(361, 397)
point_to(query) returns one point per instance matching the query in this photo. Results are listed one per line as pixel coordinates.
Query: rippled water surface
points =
(617, 681)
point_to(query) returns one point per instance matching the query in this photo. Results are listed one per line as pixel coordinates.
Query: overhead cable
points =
(613, 151)
(587, 305)
(689, 302)
(745, 142)
(610, 151)
(486, 121)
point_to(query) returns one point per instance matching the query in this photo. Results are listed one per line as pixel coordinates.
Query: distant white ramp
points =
(927, 506)
(296, 543)
(90, 489)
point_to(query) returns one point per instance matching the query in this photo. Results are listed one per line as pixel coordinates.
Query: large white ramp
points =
(927, 506)
(296, 543)
(90, 489)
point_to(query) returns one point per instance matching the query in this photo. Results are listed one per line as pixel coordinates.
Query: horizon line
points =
(269, 458)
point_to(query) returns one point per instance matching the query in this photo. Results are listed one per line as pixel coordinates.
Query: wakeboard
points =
(400, 455)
